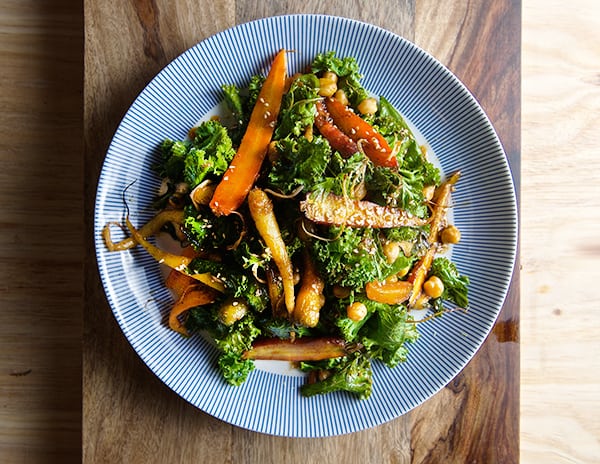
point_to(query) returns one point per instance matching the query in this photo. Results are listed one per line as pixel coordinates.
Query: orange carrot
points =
(355, 127)
(193, 296)
(389, 292)
(336, 138)
(245, 166)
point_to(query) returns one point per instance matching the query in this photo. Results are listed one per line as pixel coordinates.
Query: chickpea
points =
(330, 76)
(341, 96)
(232, 311)
(433, 287)
(368, 106)
(356, 311)
(450, 234)
(391, 251)
(327, 88)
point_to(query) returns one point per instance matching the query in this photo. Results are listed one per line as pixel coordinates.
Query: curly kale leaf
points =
(390, 122)
(352, 374)
(240, 103)
(231, 340)
(455, 284)
(301, 163)
(205, 231)
(208, 153)
(211, 153)
(298, 107)
(172, 159)
(352, 257)
(386, 332)
(234, 369)
(347, 71)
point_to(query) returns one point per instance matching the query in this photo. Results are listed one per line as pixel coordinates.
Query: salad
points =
(312, 228)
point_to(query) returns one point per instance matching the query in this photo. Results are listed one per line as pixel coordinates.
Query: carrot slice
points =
(245, 166)
(359, 130)
(389, 292)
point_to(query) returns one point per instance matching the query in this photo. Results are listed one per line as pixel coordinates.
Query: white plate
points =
(432, 99)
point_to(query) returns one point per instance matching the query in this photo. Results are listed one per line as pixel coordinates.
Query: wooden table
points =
(49, 267)
(128, 415)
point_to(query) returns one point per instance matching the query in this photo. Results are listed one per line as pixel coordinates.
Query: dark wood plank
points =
(41, 231)
(128, 414)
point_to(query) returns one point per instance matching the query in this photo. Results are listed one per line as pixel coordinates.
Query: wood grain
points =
(148, 415)
(560, 421)
(41, 231)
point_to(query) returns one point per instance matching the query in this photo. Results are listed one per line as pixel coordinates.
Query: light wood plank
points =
(560, 413)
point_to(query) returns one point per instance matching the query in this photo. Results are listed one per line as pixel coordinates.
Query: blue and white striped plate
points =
(455, 128)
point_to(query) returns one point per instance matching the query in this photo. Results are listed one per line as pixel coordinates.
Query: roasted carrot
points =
(441, 198)
(177, 281)
(419, 272)
(371, 141)
(336, 138)
(336, 210)
(150, 228)
(245, 166)
(310, 298)
(192, 297)
(261, 210)
(176, 262)
(389, 292)
(301, 349)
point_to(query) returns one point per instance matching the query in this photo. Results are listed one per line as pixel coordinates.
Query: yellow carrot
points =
(261, 210)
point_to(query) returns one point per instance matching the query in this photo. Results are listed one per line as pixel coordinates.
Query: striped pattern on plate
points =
(446, 115)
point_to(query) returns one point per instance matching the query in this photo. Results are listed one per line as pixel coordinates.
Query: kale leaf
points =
(385, 333)
(208, 153)
(298, 107)
(238, 284)
(455, 284)
(301, 163)
(352, 374)
(352, 257)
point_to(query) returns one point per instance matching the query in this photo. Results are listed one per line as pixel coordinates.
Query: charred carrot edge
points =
(245, 166)
(371, 141)
(336, 138)
(302, 349)
(336, 210)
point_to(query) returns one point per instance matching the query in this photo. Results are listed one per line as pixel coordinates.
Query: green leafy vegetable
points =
(455, 284)
(351, 374)
(301, 163)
